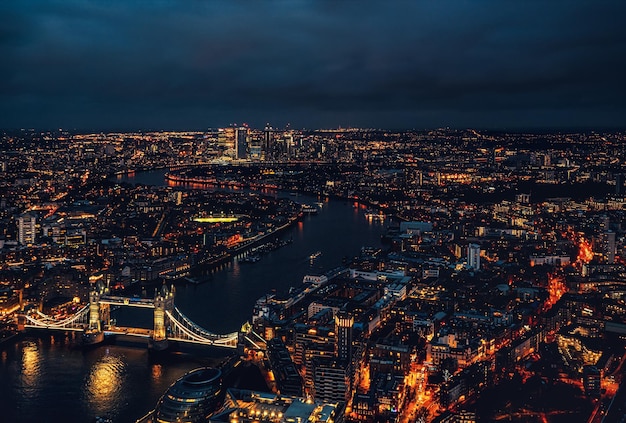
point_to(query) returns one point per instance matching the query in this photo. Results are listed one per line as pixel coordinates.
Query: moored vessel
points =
(157, 346)
(92, 337)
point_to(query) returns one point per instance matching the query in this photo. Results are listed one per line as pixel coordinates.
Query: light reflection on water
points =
(157, 372)
(31, 370)
(104, 384)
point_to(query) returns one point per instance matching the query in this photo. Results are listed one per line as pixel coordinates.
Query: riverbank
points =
(251, 243)
(171, 177)
(214, 182)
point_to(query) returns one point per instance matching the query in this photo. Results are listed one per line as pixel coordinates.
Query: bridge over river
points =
(170, 324)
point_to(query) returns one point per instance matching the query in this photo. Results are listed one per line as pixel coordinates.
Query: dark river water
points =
(42, 379)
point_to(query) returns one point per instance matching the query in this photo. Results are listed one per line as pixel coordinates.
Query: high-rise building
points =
(473, 256)
(290, 146)
(241, 143)
(309, 346)
(608, 246)
(331, 380)
(26, 228)
(268, 142)
(226, 137)
(343, 330)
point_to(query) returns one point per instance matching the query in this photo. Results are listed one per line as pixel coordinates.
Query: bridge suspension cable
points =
(47, 321)
(199, 329)
(191, 331)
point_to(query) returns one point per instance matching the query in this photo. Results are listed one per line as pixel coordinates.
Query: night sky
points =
(193, 64)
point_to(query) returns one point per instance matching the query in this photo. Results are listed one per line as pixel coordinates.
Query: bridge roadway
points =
(121, 330)
(127, 301)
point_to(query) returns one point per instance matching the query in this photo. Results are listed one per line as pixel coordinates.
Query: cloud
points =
(175, 64)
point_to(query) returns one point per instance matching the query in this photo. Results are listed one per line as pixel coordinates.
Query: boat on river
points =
(315, 255)
(92, 337)
(309, 209)
(250, 259)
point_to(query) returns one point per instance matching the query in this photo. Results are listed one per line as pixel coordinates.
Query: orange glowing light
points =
(585, 253)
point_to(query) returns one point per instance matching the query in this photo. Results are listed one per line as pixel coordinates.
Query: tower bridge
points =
(169, 323)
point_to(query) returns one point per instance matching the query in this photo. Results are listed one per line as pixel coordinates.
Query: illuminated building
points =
(9, 300)
(461, 416)
(243, 406)
(226, 137)
(310, 344)
(331, 380)
(241, 143)
(289, 145)
(287, 377)
(26, 227)
(607, 246)
(473, 256)
(192, 398)
(592, 379)
(343, 329)
(268, 142)
(448, 347)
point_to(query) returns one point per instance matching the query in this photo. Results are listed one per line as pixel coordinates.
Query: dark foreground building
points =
(192, 398)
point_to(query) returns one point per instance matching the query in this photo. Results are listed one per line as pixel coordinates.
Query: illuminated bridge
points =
(170, 324)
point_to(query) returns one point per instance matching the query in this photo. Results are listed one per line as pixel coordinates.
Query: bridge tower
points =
(99, 314)
(163, 302)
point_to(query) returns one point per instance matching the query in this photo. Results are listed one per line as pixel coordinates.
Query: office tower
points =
(289, 145)
(473, 256)
(226, 137)
(608, 246)
(241, 143)
(343, 329)
(268, 143)
(26, 227)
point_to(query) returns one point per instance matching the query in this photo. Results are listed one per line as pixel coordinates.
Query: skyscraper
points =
(26, 228)
(241, 143)
(268, 143)
(226, 137)
(473, 256)
(608, 246)
(343, 330)
(290, 146)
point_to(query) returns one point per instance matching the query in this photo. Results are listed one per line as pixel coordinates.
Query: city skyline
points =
(173, 65)
(361, 276)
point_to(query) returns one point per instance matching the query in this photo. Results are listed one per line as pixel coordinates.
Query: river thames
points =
(43, 380)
